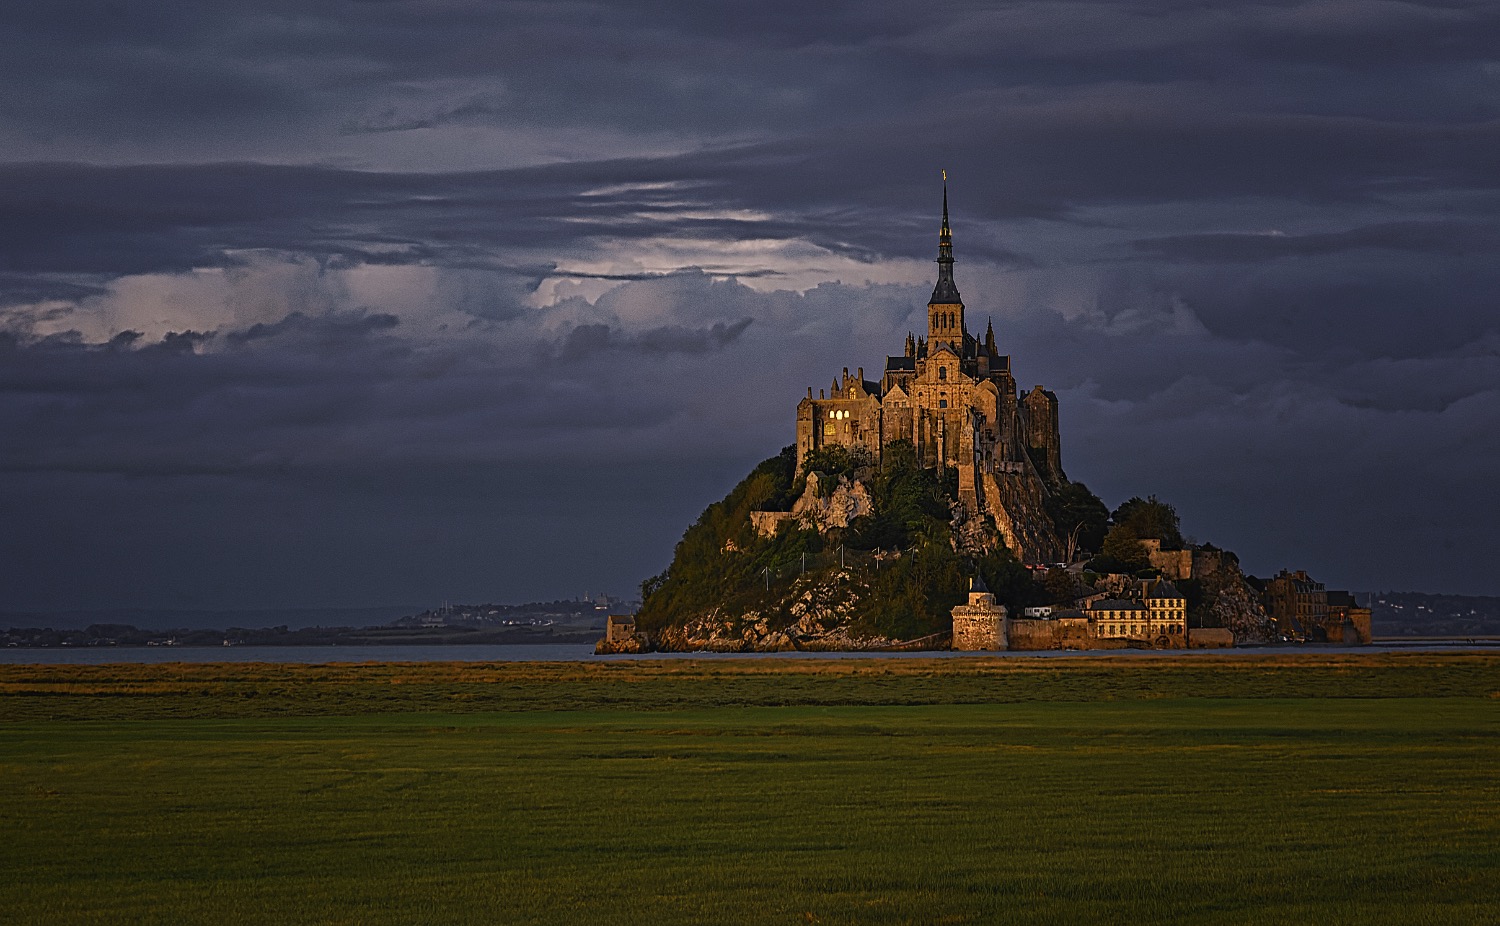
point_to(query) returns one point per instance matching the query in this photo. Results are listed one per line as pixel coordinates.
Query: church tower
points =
(945, 311)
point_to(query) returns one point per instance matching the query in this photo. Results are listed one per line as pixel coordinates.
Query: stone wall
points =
(979, 625)
(1060, 633)
(1174, 564)
(1209, 638)
(978, 632)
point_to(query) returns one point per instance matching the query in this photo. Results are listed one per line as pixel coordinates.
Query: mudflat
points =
(1236, 789)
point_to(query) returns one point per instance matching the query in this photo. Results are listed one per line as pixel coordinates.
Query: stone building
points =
(1158, 619)
(980, 624)
(1167, 613)
(1304, 610)
(1296, 603)
(619, 628)
(951, 394)
(1118, 618)
(1347, 621)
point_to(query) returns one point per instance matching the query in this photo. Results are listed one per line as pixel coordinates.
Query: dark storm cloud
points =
(330, 332)
(647, 66)
(667, 339)
(278, 268)
(1457, 239)
(301, 393)
(56, 218)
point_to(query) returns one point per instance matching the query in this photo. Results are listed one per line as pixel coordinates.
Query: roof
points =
(1165, 589)
(976, 584)
(945, 292)
(1117, 604)
(900, 363)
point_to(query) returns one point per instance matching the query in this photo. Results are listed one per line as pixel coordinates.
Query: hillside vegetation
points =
(899, 564)
(880, 553)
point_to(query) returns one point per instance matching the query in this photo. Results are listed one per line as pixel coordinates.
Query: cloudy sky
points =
(319, 304)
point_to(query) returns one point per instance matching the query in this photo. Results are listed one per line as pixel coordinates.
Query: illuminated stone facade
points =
(981, 624)
(952, 396)
(1159, 619)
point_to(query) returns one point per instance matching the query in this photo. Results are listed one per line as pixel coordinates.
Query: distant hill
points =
(162, 619)
(1423, 614)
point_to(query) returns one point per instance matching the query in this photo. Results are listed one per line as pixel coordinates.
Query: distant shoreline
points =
(545, 652)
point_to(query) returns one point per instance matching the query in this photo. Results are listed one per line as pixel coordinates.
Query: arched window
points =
(942, 373)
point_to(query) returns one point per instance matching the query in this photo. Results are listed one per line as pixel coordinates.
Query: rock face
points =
(1229, 602)
(638, 643)
(822, 614)
(827, 502)
(1014, 501)
(826, 506)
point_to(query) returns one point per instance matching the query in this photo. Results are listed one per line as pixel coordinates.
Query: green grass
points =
(1344, 790)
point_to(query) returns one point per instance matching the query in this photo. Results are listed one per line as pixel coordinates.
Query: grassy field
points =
(1359, 789)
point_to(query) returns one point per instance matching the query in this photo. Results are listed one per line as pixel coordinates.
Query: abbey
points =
(953, 397)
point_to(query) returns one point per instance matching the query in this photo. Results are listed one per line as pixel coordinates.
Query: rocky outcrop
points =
(638, 643)
(1229, 602)
(827, 502)
(751, 633)
(823, 621)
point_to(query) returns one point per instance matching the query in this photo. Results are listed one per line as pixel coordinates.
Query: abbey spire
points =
(945, 310)
(946, 292)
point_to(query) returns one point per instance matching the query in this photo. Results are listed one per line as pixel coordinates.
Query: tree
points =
(1151, 518)
(1060, 586)
(1079, 517)
(1121, 551)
